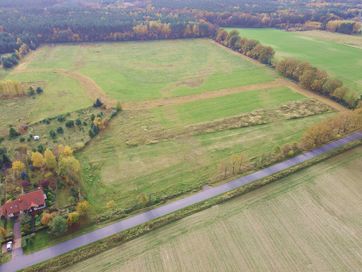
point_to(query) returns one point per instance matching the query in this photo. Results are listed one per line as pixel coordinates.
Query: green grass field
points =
(153, 150)
(115, 171)
(310, 220)
(134, 71)
(61, 95)
(338, 54)
(221, 107)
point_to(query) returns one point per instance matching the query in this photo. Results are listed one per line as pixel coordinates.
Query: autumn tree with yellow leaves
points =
(18, 167)
(37, 159)
(50, 160)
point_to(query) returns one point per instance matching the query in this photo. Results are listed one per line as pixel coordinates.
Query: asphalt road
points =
(23, 261)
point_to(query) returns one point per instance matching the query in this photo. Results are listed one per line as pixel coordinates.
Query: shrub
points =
(25, 183)
(114, 113)
(22, 139)
(60, 130)
(93, 131)
(44, 183)
(40, 148)
(78, 122)
(60, 118)
(118, 106)
(39, 90)
(46, 121)
(98, 103)
(69, 124)
(52, 134)
(13, 133)
(24, 175)
(58, 225)
(31, 91)
(10, 61)
(83, 208)
(1, 139)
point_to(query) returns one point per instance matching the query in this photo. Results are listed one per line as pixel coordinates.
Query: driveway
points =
(17, 249)
(23, 261)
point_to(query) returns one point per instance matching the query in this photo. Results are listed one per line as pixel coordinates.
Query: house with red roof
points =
(25, 203)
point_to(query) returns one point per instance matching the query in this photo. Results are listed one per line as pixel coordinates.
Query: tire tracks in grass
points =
(92, 89)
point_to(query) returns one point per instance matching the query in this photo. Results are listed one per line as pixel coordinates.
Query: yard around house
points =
(338, 54)
(308, 220)
(212, 106)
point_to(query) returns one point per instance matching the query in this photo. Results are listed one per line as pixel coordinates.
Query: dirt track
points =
(89, 85)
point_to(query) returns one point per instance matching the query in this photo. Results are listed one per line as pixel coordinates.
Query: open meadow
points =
(310, 220)
(190, 108)
(338, 54)
(198, 135)
(136, 71)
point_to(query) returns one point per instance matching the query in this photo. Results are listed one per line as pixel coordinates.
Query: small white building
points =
(36, 138)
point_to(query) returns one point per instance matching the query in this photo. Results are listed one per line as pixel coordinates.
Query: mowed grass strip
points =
(230, 105)
(136, 71)
(340, 60)
(309, 220)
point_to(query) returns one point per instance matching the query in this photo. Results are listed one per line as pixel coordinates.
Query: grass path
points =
(93, 90)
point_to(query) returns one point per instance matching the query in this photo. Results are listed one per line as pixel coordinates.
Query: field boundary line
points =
(127, 224)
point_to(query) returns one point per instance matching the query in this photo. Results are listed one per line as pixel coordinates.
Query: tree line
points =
(345, 27)
(317, 135)
(13, 47)
(331, 129)
(248, 47)
(318, 81)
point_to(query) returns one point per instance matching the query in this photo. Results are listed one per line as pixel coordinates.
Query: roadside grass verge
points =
(93, 249)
